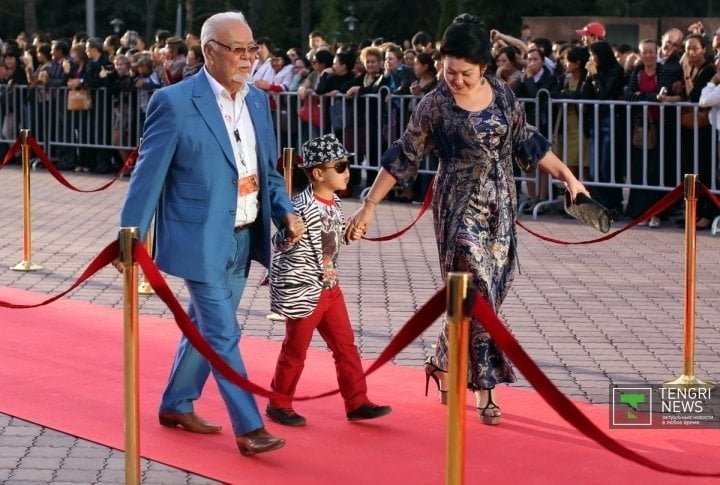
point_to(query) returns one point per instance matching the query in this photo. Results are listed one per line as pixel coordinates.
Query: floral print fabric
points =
(475, 200)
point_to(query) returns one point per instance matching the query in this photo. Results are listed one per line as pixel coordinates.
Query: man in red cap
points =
(591, 33)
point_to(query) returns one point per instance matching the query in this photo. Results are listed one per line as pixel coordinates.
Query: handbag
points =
(687, 117)
(588, 211)
(79, 100)
(637, 135)
(310, 106)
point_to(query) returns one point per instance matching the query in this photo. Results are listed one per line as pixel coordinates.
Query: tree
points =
(449, 11)
(31, 24)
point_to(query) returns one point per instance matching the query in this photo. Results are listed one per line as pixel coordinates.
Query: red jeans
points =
(332, 321)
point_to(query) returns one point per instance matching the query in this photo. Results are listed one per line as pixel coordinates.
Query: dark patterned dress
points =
(475, 200)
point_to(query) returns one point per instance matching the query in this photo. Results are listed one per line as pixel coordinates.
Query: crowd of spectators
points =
(675, 68)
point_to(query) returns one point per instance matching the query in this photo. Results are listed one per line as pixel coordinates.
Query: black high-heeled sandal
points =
(431, 369)
(490, 414)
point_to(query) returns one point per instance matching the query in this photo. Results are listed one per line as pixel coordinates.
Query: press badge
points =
(248, 185)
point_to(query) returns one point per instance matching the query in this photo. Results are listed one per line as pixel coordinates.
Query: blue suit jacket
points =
(186, 172)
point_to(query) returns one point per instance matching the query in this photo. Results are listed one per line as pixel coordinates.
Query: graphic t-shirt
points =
(332, 222)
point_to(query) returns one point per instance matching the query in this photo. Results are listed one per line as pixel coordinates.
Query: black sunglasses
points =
(339, 167)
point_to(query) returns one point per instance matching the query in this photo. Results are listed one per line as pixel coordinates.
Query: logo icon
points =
(634, 400)
(631, 406)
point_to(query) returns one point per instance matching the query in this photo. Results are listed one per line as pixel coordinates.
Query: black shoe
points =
(368, 411)
(284, 416)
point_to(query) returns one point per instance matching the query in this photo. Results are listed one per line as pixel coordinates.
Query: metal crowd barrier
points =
(368, 124)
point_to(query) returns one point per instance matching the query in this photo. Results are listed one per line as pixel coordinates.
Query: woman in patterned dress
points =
(477, 129)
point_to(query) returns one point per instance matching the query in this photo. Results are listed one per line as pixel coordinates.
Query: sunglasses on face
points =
(251, 49)
(339, 167)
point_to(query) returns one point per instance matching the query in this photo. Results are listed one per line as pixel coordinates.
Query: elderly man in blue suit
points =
(206, 169)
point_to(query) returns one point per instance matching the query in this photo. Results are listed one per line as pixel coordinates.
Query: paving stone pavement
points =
(588, 314)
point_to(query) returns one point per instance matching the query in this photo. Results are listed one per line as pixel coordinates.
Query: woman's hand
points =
(576, 187)
(357, 224)
(353, 91)
(591, 68)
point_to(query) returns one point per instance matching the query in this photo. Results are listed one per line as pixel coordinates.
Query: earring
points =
(482, 80)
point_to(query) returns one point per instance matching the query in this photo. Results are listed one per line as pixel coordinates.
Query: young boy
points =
(304, 288)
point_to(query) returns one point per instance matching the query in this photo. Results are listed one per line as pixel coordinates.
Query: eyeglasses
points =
(251, 49)
(339, 167)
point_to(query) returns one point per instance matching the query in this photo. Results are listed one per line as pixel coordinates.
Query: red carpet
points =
(61, 367)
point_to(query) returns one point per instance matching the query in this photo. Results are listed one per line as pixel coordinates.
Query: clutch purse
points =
(588, 211)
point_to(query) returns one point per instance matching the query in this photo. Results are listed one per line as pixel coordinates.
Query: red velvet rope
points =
(415, 326)
(426, 203)
(712, 196)
(10, 153)
(105, 257)
(668, 200)
(47, 163)
(556, 399)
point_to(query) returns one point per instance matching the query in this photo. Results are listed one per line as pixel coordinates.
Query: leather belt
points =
(243, 227)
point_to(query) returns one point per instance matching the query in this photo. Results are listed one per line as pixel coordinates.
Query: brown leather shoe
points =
(189, 421)
(258, 441)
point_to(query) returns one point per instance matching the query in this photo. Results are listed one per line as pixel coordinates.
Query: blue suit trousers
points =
(213, 308)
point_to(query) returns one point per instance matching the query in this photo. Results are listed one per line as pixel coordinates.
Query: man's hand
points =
(294, 228)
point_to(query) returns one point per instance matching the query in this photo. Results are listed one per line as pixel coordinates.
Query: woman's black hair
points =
(512, 55)
(347, 58)
(578, 54)
(605, 55)
(467, 38)
(427, 60)
(324, 57)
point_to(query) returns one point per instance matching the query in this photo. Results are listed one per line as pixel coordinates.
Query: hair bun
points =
(466, 18)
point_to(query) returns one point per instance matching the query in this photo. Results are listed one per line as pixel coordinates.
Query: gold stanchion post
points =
(688, 379)
(26, 264)
(288, 156)
(144, 288)
(288, 169)
(458, 337)
(128, 237)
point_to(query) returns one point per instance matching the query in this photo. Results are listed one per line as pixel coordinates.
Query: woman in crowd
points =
(12, 105)
(425, 74)
(567, 123)
(194, 61)
(699, 71)
(604, 82)
(75, 71)
(477, 128)
(508, 66)
(427, 80)
(399, 75)
(301, 70)
(334, 81)
(121, 87)
(537, 82)
(644, 84)
(368, 111)
(310, 112)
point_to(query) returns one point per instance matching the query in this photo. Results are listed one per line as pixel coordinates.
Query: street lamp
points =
(350, 22)
(116, 24)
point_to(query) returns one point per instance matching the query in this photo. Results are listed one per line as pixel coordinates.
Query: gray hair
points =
(209, 28)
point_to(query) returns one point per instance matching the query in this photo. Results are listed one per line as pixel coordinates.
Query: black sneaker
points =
(368, 411)
(284, 416)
